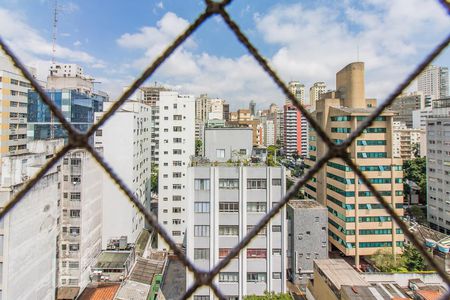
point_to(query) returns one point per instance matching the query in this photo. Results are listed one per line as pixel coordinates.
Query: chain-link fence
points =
(80, 140)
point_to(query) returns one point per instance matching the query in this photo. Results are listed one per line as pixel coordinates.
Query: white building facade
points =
(176, 147)
(224, 204)
(315, 91)
(124, 141)
(433, 81)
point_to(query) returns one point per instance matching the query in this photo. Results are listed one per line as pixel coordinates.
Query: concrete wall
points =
(231, 140)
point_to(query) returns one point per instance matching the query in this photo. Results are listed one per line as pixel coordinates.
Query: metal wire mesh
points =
(80, 140)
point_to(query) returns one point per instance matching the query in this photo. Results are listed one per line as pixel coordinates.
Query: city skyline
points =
(269, 26)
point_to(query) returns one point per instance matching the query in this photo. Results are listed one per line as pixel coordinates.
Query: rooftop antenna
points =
(55, 29)
(357, 51)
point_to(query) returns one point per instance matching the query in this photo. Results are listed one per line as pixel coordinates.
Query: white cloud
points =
(31, 47)
(77, 43)
(311, 44)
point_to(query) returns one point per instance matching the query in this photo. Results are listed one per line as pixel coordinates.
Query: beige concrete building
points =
(405, 104)
(315, 91)
(409, 143)
(298, 90)
(13, 108)
(358, 224)
(150, 94)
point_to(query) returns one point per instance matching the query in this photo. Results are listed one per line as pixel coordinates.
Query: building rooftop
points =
(101, 292)
(228, 127)
(132, 290)
(145, 269)
(339, 272)
(364, 111)
(112, 260)
(375, 292)
(297, 203)
(67, 293)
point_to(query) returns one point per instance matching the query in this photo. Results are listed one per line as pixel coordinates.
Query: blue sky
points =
(307, 41)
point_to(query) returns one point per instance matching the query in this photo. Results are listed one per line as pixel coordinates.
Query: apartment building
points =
(124, 141)
(298, 90)
(438, 166)
(358, 224)
(80, 221)
(315, 91)
(405, 104)
(224, 203)
(269, 132)
(177, 145)
(408, 143)
(296, 131)
(307, 222)
(150, 94)
(28, 233)
(433, 81)
(13, 100)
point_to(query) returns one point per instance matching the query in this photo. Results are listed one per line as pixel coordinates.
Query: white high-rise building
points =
(28, 233)
(269, 132)
(433, 81)
(224, 203)
(298, 90)
(315, 91)
(177, 145)
(80, 221)
(125, 143)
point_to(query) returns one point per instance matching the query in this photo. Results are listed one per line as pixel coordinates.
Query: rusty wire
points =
(79, 140)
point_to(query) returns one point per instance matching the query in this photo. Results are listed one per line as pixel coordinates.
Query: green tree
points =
(271, 296)
(154, 179)
(412, 259)
(198, 147)
(385, 261)
(416, 170)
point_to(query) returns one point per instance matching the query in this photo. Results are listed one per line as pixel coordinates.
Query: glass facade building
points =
(78, 108)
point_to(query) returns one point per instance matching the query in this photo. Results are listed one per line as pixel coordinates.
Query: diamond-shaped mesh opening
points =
(79, 140)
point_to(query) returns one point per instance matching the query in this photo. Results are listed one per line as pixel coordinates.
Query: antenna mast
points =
(55, 29)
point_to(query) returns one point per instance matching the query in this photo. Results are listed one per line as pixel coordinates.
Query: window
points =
(220, 153)
(176, 198)
(74, 213)
(177, 163)
(201, 184)
(75, 196)
(372, 154)
(228, 230)
(177, 151)
(256, 277)
(201, 297)
(176, 209)
(224, 252)
(253, 184)
(176, 174)
(263, 231)
(176, 221)
(276, 181)
(228, 277)
(177, 128)
(256, 206)
(276, 228)
(14, 81)
(375, 130)
(256, 253)
(276, 275)
(229, 206)
(177, 117)
(177, 140)
(276, 251)
(74, 264)
(201, 207)
(176, 186)
(201, 230)
(201, 253)
(74, 247)
(99, 132)
(176, 233)
(340, 130)
(228, 183)
(74, 231)
(243, 151)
